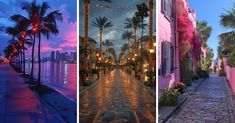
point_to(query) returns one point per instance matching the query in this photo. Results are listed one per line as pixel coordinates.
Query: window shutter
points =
(163, 58)
(163, 6)
(172, 58)
(172, 8)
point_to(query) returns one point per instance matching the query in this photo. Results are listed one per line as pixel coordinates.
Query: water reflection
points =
(59, 76)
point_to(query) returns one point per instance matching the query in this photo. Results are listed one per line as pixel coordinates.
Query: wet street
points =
(117, 98)
(211, 103)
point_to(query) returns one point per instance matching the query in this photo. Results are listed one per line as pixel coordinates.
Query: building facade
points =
(168, 46)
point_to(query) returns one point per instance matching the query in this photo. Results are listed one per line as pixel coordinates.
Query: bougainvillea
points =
(188, 37)
(197, 44)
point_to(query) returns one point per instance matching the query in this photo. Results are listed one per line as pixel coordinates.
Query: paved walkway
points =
(117, 98)
(209, 104)
(18, 104)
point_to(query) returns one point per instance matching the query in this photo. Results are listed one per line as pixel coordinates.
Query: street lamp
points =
(133, 59)
(151, 50)
(99, 58)
(97, 54)
(135, 54)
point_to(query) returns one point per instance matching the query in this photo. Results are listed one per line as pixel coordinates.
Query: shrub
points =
(231, 59)
(203, 74)
(169, 97)
(222, 73)
(150, 84)
(180, 86)
(206, 63)
(185, 71)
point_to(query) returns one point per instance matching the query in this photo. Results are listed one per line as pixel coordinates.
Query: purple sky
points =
(65, 41)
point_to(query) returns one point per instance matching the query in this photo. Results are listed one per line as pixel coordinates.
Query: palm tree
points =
(32, 10)
(113, 52)
(204, 31)
(227, 21)
(101, 23)
(134, 23)
(124, 47)
(142, 13)
(19, 34)
(127, 35)
(107, 43)
(151, 37)
(43, 23)
(86, 13)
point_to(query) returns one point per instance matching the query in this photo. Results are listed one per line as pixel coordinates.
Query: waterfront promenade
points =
(18, 103)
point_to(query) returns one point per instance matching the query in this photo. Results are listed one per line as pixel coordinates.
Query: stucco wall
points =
(165, 33)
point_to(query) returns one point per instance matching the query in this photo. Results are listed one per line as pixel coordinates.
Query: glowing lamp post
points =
(151, 50)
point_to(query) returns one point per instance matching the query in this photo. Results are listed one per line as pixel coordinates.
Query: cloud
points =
(115, 15)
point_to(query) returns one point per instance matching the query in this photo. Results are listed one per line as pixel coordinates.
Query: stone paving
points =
(117, 98)
(18, 104)
(209, 104)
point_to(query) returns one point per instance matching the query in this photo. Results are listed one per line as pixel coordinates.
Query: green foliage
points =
(169, 97)
(202, 73)
(204, 31)
(206, 63)
(185, 71)
(231, 59)
(222, 73)
(150, 84)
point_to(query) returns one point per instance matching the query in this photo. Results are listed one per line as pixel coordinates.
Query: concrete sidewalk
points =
(18, 104)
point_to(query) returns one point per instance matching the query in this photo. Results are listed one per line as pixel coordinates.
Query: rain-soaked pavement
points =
(119, 99)
(211, 103)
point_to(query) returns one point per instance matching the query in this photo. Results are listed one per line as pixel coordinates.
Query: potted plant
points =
(180, 86)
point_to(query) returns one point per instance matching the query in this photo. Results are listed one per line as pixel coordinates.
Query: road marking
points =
(96, 117)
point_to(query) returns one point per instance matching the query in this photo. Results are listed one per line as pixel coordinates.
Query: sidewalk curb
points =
(151, 92)
(227, 84)
(182, 102)
(93, 85)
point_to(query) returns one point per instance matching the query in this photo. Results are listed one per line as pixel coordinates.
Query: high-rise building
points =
(58, 56)
(52, 56)
(73, 56)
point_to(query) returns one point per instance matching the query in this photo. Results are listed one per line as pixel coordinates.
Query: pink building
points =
(168, 53)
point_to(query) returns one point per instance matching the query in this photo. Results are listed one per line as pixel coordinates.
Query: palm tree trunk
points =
(23, 59)
(39, 59)
(142, 19)
(101, 32)
(86, 10)
(32, 62)
(150, 34)
(128, 47)
(134, 44)
(142, 34)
